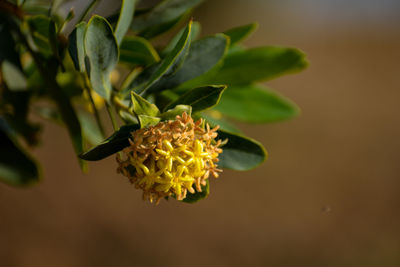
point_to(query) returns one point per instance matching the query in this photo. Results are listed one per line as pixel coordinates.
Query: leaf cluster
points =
(110, 65)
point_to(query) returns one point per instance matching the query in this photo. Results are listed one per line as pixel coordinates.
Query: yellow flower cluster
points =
(171, 158)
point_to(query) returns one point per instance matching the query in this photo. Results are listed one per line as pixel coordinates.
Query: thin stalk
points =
(87, 10)
(96, 112)
(119, 105)
(112, 117)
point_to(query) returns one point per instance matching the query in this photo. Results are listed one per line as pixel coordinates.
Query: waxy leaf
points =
(215, 118)
(89, 8)
(136, 50)
(113, 144)
(193, 198)
(162, 17)
(18, 119)
(16, 166)
(39, 26)
(71, 120)
(90, 129)
(252, 103)
(256, 64)
(143, 107)
(196, 28)
(203, 55)
(167, 66)
(146, 121)
(240, 153)
(76, 46)
(8, 51)
(13, 77)
(125, 19)
(237, 34)
(201, 98)
(177, 110)
(102, 53)
(65, 108)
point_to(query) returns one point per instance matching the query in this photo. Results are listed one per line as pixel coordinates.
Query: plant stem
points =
(96, 112)
(87, 10)
(112, 117)
(118, 104)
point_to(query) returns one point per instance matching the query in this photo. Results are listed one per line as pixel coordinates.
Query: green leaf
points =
(90, 129)
(70, 16)
(201, 98)
(136, 50)
(102, 51)
(128, 117)
(143, 107)
(88, 9)
(53, 39)
(13, 77)
(152, 32)
(252, 103)
(39, 26)
(113, 144)
(8, 49)
(196, 28)
(125, 19)
(18, 102)
(76, 46)
(237, 34)
(162, 17)
(177, 110)
(65, 108)
(203, 55)
(146, 121)
(215, 118)
(16, 166)
(167, 66)
(256, 64)
(240, 153)
(193, 198)
(71, 120)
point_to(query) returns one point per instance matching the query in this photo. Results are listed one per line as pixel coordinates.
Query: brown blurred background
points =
(328, 195)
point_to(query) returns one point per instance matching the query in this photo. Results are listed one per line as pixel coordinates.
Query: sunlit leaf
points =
(203, 55)
(143, 107)
(162, 17)
(256, 64)
(215, 118)
(113, 144)
(76, 46)
(102, 52)
(16, 166)
(39, 26)
(193, 198)
(125, 19)
(177, 110)
(146, 121)
(201, 98)
(13, 77)
(196, 28)
(240, 153)
(252, 103)
(136, 50)
(167, 66)
(238, 34)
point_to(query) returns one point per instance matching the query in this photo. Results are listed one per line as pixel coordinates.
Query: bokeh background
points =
(327, 196)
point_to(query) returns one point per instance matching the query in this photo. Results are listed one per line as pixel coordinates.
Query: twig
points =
(95, 111)
(87, 10)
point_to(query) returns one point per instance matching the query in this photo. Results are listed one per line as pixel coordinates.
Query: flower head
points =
(171, 158)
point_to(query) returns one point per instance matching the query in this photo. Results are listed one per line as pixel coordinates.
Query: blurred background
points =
(327, 196)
